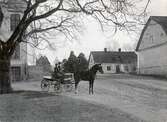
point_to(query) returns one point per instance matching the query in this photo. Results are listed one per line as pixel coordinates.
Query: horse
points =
(88, 75)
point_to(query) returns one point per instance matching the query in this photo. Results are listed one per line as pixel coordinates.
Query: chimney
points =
(119, 50)
(105, 50)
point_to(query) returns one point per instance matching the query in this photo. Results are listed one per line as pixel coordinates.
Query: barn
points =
(152, 47)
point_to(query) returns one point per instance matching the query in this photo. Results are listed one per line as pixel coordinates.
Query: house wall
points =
(127, 68)
(21, 61)
(152, 58)
(112, 66)
(14, 7)
(5, 27)
(153, 61)
(124, 68)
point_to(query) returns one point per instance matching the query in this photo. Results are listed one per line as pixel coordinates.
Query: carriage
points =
(58, 85)
(68, 80)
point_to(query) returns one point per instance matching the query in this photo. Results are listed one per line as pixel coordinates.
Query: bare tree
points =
(62, 17)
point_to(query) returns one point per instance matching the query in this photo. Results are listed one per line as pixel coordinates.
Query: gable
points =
(91, 60)
(152, 35)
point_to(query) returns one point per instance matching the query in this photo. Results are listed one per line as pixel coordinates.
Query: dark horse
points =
(88, 75)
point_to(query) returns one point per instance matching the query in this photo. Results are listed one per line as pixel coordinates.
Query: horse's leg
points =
(89, 86)
(92, 86)
(76, 85)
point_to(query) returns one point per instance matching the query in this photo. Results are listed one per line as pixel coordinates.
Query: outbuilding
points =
(152, 47)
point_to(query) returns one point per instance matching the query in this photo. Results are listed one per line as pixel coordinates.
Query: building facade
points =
(152, 47)
(13, 11)
(114, 61)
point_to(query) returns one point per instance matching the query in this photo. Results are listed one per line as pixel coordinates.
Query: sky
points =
(93, 39)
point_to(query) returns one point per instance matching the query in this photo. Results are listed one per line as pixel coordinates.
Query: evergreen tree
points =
(65, 65)
(82, 62)
(72, 62)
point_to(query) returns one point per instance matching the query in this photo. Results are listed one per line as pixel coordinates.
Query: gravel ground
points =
(33, 106)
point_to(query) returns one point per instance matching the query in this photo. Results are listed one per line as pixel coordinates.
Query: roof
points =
(43, 60)
(114, 57)
(161, 20)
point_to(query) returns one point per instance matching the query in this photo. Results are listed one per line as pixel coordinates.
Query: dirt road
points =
(143, 97)
(139, 97)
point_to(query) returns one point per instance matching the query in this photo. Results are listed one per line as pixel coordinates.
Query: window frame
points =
(108, 68)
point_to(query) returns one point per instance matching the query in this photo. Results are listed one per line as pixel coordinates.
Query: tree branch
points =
(45, 15)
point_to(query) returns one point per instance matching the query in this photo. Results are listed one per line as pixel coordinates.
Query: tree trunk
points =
(5, 84)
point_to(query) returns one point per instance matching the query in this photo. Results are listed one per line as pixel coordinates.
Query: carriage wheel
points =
(44, 85)
(57, 88)
(68, 87)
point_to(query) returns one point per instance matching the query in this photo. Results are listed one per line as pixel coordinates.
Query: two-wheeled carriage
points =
(59, 85)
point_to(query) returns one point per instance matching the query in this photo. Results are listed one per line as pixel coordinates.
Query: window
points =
(151, 38)
(16, 54)
(14, 21)
(108, 68)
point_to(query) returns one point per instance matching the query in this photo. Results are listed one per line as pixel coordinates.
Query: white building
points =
(114, 61)
(152, 47)
(13, 11)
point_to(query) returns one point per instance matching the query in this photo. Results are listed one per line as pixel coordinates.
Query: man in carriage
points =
(58, 74)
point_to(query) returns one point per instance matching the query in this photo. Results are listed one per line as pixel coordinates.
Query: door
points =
(117, 69)
(16, 73)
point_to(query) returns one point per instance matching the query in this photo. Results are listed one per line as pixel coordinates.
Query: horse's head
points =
(98, 67)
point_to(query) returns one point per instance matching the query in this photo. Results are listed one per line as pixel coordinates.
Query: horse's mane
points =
(87, 70)
(93, 67)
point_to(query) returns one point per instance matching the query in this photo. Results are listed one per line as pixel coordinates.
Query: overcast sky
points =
(93, 39)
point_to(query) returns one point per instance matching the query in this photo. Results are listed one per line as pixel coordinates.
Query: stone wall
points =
(37, 73)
